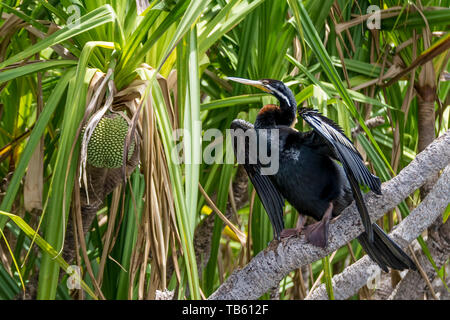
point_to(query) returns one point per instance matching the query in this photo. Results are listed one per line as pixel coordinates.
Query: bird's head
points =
(279, 90)
(275, 87)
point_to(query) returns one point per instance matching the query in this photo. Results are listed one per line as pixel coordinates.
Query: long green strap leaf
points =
(225, 20)
(312, 38)
(34, 67)
(233, 101)
(46, 247)
(87, 22)
(35, 136)
(328, 275)
(191, 15)
(61, 185)
(192, 169)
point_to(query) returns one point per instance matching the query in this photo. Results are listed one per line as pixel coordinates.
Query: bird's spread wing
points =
(352, 162)
(270, 197)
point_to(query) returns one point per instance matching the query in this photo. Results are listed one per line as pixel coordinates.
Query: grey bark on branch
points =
(413, 285)
(358, 274)
(270, 266)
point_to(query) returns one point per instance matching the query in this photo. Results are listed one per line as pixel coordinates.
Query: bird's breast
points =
(308, 181)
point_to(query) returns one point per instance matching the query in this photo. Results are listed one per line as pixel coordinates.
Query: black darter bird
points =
(309, 175)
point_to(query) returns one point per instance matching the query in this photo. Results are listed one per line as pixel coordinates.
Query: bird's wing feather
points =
(352, 162)
(270, 197)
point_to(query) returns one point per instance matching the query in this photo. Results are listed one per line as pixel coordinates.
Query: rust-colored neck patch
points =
(269, 108)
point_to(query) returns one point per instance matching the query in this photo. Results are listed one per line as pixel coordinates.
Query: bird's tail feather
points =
(384, 251)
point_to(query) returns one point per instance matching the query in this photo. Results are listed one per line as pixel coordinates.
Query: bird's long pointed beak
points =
(255, 83)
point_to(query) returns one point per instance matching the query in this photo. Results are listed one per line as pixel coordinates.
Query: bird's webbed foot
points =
(317, 233)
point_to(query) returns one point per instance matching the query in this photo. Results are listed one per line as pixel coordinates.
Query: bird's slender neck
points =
(283, 115)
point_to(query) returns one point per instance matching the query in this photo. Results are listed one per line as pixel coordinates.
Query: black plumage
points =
(319, 173)
(271, 199)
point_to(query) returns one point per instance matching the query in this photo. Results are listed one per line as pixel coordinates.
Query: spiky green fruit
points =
(105, 148)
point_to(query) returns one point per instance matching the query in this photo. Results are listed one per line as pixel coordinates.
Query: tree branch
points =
(357, 275)
(413, 286)
(270, 266)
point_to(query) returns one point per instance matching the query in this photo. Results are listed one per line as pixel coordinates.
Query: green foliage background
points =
(182, 50)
